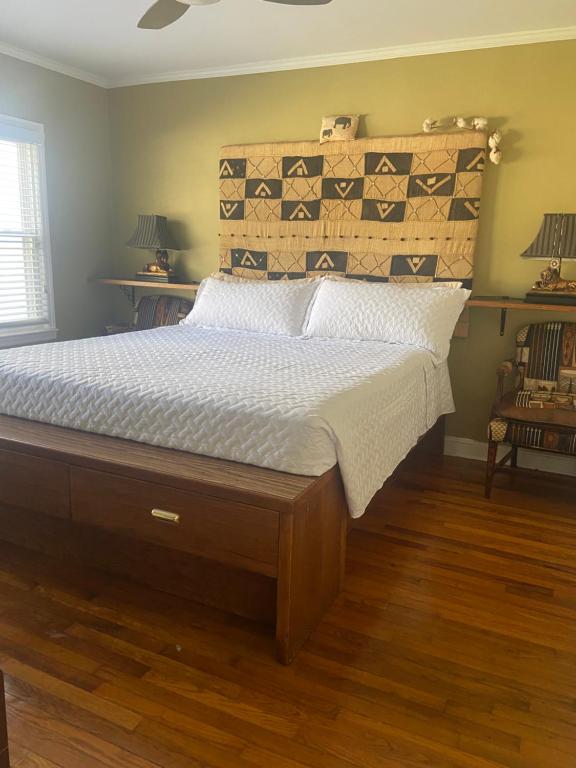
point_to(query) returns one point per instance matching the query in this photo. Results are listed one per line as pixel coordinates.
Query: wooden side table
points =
(4, 757)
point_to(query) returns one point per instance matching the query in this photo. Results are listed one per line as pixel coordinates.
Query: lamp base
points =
(161, 266)
(551, 281)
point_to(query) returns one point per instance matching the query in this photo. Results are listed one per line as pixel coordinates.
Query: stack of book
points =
(155, 277)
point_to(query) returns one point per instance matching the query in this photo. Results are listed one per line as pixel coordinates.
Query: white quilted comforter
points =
(292, 404)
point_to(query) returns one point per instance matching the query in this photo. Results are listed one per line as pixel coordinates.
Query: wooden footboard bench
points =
(259, 543)
(263, 544)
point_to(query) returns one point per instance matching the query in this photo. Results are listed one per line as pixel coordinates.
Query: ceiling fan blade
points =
(162, 13)
(300, 2)
(166, 12)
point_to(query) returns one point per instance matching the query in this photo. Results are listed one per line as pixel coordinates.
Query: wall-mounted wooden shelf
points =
(128, 286)
(505, 303)
(146, 284)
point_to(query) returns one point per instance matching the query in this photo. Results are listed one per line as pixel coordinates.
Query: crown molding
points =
(54, 66)
(305, 62)
(356, 57)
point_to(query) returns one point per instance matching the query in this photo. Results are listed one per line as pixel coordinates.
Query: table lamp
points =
(555, 241)
(152, 234)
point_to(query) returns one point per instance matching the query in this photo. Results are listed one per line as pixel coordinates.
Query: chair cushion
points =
(539, 408)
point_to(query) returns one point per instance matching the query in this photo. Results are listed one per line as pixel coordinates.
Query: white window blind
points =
(25, 280)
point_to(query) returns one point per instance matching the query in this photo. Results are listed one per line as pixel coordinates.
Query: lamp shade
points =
(152, 234)
(556, 238)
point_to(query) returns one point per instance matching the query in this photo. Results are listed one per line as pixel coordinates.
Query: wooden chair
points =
(539, 410)
(154, 312)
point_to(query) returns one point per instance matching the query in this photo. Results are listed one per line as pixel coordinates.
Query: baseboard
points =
(545, 462)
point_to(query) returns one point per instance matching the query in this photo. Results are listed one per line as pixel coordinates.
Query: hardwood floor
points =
(453, 645)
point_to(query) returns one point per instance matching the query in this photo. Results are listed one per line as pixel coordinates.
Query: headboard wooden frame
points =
(397, 209)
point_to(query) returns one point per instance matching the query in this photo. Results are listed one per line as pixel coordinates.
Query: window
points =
(26, 304)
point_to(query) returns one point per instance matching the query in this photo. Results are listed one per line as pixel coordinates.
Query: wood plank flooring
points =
(452, 646)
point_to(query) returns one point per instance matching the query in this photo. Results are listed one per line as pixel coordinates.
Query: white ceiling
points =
(98, 40)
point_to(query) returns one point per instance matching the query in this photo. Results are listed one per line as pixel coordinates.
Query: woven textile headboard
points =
(393, 209)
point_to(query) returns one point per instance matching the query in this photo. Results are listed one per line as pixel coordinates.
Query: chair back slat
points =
(543, 350)
(157, 311)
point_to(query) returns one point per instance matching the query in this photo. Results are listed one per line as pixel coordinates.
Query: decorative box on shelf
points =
(552, 297)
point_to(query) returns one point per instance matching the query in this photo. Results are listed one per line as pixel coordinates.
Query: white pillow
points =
(253, 305)
(424, 285)
(387, 312)
(225, 277)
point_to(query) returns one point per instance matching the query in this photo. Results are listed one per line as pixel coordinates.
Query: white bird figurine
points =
(494, 143)
(479, 123)
(429, 125)
(494, 139)
(461, 122)
(496, 156)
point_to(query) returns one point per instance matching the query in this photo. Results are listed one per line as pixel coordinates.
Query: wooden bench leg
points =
(490, 467)
(312, 553)
(4, 756)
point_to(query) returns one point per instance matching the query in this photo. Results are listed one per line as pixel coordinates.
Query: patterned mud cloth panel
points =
(156, 311)
(546, 353)
(392, 209)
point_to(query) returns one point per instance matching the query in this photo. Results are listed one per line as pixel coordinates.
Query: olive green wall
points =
(166, 137)
(76, 121)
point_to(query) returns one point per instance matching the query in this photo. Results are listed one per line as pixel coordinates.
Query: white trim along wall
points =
(538, 460)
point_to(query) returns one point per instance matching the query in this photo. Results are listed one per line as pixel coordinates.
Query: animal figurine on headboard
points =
(343, 122)
(339, 128)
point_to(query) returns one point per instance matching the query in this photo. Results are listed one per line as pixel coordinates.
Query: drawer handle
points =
(167, 517)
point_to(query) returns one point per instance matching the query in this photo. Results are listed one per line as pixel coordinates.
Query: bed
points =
(91, 458)
(226, 465)
(290, 404)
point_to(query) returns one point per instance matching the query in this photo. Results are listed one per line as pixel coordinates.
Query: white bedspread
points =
(291, 404)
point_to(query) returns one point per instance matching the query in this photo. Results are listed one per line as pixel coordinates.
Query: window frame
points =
(34, 334)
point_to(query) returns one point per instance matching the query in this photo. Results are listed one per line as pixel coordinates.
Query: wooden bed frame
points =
(262, 544)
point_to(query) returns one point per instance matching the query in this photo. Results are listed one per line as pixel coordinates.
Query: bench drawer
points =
(242, 536)
(39, 485)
